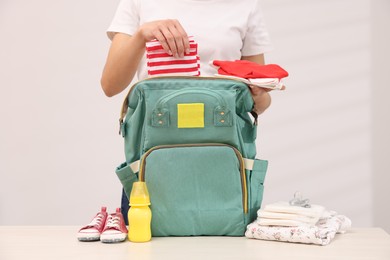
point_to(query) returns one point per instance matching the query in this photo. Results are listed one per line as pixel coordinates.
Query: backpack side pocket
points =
(127, 177)
(257, 177)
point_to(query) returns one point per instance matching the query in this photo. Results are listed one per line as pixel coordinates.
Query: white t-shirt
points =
(223, 29)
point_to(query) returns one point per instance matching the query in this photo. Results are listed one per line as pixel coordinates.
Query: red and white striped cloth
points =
(160, 63)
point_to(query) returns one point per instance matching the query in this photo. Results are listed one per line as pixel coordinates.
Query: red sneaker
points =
(115, 229)
(93, 230)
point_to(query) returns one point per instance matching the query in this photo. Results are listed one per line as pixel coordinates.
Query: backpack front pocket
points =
(196, 189)
(191, 115)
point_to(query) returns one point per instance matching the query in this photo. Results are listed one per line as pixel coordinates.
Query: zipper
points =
(141, 173)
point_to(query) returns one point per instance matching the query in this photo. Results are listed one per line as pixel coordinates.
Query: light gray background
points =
(326, 135)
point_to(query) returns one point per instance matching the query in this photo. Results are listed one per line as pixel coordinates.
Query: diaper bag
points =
(192, 140)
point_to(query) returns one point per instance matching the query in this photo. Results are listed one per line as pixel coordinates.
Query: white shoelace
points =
(113, 222)
(97, 221)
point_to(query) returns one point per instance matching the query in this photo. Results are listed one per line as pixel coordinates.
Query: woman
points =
(223, 29)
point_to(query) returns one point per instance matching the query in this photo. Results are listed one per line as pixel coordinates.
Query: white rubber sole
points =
(113, 238)
(85, 237)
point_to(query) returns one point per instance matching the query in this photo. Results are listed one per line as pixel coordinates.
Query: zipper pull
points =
(255, 117)
(120, 126)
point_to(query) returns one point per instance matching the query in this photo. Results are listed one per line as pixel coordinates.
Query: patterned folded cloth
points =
(160, 63)
(321, 234)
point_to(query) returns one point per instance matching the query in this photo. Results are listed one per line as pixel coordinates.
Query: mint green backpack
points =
(193, 143)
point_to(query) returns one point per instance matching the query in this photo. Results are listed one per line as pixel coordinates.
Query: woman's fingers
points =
(164, 43)
(175, 37)
(184, 36)
(172, 39)
(170, 34)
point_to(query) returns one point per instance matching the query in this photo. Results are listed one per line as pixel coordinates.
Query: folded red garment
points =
(249, 70)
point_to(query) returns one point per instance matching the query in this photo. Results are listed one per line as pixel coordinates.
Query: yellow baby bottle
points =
(139, 214)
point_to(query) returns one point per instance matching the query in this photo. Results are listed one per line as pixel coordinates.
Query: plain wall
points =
(317, 134)
(380, 13)
(59, 142)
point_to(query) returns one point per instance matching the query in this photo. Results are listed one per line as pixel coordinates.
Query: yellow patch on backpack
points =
(190, 115)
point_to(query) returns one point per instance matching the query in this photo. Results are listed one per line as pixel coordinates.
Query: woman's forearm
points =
(122, 62)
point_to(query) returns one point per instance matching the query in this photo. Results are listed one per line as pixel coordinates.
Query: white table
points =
(59, 242)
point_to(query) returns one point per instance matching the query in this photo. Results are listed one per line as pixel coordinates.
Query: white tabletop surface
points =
(60, 242)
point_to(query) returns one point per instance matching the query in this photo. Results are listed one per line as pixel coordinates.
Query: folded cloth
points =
(249, 70)
(320, 234)
(160, 63)
(314, 211)
(269, 83)
(273, 83)
(284, 219)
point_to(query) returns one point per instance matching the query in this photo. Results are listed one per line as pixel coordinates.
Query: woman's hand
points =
(169, 33)
(127, 51)
(262, 99)
(260, 96)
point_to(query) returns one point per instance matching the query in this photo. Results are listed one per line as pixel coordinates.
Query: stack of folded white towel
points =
(310, 224)
(283, 214)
